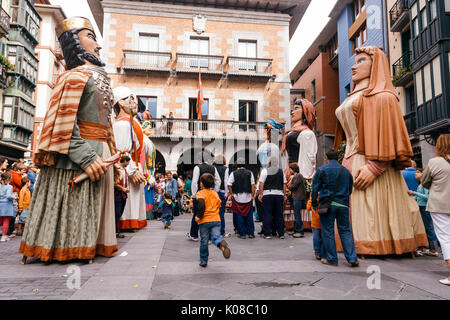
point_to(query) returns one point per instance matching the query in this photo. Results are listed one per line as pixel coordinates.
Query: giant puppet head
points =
(78, 42)
(125, 99)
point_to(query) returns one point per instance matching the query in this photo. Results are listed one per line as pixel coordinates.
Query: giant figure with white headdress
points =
(129, 138)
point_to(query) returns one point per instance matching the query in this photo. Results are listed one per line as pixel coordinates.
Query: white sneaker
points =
(227, 235)
(433, 254)
(4, 239)
(445, 281)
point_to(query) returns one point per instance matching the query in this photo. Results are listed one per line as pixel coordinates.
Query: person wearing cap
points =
(130, 139)
(300, 144)
(74, 221)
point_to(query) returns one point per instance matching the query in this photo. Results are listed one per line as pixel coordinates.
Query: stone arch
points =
(160, 163)
(251, 160)
(189, 159)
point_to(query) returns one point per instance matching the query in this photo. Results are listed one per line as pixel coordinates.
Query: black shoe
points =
(281, 237)
(251, 237)
(354, 264)
(223, 245)
(119, 236)
(242, 237)
(203, 265)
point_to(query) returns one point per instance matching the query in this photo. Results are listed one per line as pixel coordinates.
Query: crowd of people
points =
(16, 185)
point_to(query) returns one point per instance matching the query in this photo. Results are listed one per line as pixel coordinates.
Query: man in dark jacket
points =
(324, 184)
(297, 187)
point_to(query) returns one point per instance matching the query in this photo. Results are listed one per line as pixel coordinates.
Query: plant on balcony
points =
(4, 61)
(401, 72)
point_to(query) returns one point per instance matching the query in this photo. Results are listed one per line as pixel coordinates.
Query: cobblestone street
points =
(161, 264)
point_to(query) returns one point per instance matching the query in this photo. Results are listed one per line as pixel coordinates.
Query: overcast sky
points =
(313, 22)
(81, 8)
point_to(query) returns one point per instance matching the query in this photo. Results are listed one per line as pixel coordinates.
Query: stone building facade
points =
(156, 49)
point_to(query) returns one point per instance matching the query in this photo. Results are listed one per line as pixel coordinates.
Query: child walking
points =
(166, 207)
(24, 204)
(6, 204)
(159, 197)
(421, 197)
(208, 219)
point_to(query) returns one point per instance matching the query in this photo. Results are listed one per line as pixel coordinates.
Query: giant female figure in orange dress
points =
(385, 219)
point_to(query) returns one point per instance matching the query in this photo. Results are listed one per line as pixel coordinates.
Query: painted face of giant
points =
(297, 114)
(129, 103)
(362, 68)
(89, 42)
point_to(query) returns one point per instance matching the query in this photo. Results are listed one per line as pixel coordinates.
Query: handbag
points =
(324, 207)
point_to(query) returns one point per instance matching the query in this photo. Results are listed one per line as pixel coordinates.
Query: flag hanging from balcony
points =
(200, 99)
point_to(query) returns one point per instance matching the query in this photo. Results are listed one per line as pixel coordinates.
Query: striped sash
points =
(60, 117)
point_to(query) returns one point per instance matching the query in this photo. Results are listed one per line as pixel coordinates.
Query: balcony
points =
(241, 66)
(410, 121)
(433, 115)
(402, 71)
(191, 63)
(4, 22)
(334, 62)
(399, 15)
(146, 60)
(214, 129)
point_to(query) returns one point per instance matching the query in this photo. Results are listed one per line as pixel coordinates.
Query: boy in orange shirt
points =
(24, 203)
(208, 219)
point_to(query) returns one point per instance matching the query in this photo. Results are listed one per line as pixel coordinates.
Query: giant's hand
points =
(137, 178)
(96, 169)
(364, 178)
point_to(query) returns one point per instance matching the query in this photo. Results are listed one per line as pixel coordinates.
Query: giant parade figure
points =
(301, 145)
(130, 138)
(384, 218)
(147, 161)
(74, 221)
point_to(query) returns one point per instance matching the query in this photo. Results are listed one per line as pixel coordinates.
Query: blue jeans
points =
(23, 216)
(341, 215)
(246, 225)
(222, 212)
(429, 228)
(209, 231)
(298, 224)
(194, 226)
(167, 219)
(318, 243)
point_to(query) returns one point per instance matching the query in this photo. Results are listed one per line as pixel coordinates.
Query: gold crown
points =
(73, 23)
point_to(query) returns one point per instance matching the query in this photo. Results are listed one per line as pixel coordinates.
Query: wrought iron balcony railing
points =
(401, 70)
(146, 60)
(249, 66)
(4, 21)
(192, 62)
(399, 15)
(216, 129)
